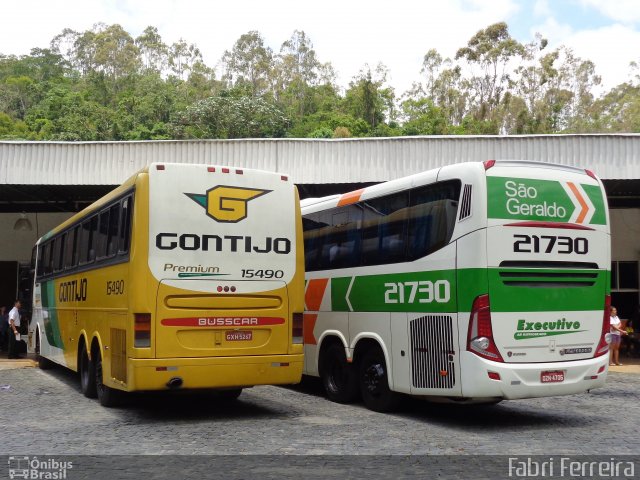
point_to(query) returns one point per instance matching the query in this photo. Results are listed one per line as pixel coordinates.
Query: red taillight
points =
(296, 328)
(494, 375)
(590, 173)
(488, 164)
(603, 345)
(142, 330)
(480, 335)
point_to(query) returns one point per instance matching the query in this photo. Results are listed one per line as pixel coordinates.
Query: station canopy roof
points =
(67, 176)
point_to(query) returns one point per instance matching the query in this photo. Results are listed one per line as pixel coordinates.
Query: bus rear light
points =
(239, 172)
(284, 178)
(590, 173)
(605, 338)
(225, 170)
(159, 167)
(142, 330)
(296, 328)
(488, 164)
(211, 169)
(480, 335)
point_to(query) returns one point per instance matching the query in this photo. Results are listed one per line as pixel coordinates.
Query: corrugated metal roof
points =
(312, 161)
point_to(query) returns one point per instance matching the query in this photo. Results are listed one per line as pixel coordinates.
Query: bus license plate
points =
(238, 336)
(554, 376)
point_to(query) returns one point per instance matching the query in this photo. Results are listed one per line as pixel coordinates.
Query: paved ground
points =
(49, 416)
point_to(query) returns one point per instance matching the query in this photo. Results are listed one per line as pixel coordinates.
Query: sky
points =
(347, 33)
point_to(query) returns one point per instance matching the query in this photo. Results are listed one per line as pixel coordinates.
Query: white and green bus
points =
(472, 282)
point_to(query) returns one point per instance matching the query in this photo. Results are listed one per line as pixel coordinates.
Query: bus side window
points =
(125, 225)
(101, 235)
(87, 247)
(58, 257)
(384, 232)
(432, 217)
(40, 270)
(342, 243)
(46, 259)
(112, 235)
(312, 245)
(69, 247)
(77, 246)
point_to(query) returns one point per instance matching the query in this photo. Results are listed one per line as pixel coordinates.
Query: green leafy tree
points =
(249, 63)
(230, 116)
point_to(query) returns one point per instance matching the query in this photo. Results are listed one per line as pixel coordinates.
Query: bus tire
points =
(229, 395)
(87, 374)
(338, 377)
(43, 363)
(107, 396)
(374, 382)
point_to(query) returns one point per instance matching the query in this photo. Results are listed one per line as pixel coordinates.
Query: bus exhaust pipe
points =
(174, 383)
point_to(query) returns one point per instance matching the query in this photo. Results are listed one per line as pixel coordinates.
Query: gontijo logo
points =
(226, 204)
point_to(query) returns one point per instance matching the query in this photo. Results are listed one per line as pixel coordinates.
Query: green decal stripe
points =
(541, 200)
(382, 293)
(51, 324)
(556, 297)
(398, 292)
(527, 335)
(471, 283)
(595, 195)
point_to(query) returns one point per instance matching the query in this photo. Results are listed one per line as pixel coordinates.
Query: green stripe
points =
(594, 193)
(515, 298)
(371, 293)
(541, 200)
(51, 324)
(396, 292)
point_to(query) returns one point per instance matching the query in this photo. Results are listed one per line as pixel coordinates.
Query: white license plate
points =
(554, 376)
(238, 336)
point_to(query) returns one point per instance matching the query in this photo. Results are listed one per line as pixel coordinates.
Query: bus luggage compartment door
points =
(221, 318)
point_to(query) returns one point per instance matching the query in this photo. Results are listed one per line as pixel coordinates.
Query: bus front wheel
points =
(374, 383)
(338, 376)
(108, 397)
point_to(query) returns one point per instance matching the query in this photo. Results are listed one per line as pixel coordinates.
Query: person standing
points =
(14, 326)
(616, 336)
(4, 328)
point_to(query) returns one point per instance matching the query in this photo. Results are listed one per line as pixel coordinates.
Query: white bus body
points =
(477, 281)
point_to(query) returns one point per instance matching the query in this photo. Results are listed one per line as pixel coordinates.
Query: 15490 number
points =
(251, 273)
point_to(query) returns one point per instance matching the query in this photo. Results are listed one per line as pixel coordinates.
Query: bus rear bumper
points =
(214, 372)
(525, 380)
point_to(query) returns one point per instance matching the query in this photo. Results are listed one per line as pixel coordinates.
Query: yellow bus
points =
(184, 277)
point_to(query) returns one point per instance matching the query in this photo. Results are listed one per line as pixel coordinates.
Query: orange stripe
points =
(313, 301)
(315, 292)
(308, 324)
(351, 197)
(583, 204)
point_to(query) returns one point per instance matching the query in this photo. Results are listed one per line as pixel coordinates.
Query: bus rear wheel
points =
(374, 383)
(338, 376)
(87, 375)
(229, 395)
(107, 396)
